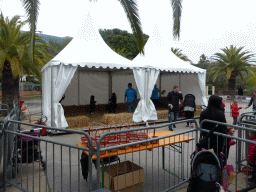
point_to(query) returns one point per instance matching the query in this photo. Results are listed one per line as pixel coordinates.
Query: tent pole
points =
(179, 81)
(52, 94)
(160, 82)
(78, 86)
(109, 85)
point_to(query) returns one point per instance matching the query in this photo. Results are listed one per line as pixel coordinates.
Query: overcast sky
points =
(206, 26)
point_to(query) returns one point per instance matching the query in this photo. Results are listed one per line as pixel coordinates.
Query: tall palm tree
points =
(233, 61)
(130, 7)
(178, 53)
(15, 57)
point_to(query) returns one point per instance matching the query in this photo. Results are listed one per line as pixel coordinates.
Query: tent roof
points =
(159, 56)
(89, 49)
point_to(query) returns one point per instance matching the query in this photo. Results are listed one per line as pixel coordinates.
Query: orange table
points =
(162, 142)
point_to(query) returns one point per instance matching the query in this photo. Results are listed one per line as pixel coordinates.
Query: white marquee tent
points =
(87, 66)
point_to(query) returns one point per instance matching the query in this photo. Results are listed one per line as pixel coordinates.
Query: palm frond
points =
(131, 10)
(176, 7)
(32, 11)
(229, 71)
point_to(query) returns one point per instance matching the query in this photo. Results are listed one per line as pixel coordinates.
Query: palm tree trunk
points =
(232, 86)
(10, 86)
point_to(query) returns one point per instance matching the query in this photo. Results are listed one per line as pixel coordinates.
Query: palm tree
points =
(233, 61)
(15, 57)
(123, 52)
(130, 8)
(178, 53)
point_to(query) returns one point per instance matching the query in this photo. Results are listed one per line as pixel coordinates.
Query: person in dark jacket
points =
(252, 102)
(92, 105)
(172, 101)
(214, 112)
(189, 107)
(240, 92)
(112, 103)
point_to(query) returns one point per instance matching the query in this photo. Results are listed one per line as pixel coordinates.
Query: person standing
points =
(113, 103)
(235, 111)
(252, 102)
(240, 92)
(92, 104)
(172, 100)
(155, 96)
(130, 98)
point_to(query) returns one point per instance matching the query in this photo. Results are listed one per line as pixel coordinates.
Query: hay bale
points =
(78, 121)
(163, 114)
(198, 111)
(119, 118)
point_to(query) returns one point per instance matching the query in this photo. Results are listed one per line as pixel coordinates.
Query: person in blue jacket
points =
(130, 98)
(155, 96)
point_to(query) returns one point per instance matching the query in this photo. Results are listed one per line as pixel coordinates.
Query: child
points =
(252, 157)
(231, 132)
(235, 111)
(92, 104)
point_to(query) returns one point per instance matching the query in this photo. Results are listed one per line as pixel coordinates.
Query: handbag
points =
(228, 175)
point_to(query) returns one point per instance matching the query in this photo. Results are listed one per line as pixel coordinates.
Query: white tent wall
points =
(71, 93)
(189, 85)
(93, 83)
(120, 84)
(97, 84)
(168, 80)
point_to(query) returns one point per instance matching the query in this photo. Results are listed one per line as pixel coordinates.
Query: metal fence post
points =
(5, 163)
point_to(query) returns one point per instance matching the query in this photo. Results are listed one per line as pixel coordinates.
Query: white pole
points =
(52, 94)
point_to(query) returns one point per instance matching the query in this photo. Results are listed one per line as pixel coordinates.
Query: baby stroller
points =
(28, 150)
(206, 168)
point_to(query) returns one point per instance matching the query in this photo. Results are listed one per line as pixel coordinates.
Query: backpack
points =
(205, 172)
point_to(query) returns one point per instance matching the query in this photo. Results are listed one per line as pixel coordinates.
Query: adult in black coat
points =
(172, 101)
(252, 102)
(214, 112)
(240, 91)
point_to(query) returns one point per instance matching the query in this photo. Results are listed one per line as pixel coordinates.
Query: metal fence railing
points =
(238, 154)
(243, 101)
(118, 159)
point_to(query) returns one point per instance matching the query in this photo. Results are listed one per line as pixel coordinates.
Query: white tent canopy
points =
(159, 57)
(87, 66)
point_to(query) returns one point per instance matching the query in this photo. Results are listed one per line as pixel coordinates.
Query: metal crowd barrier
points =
(241, 165)
(163, 160)
(39, 164)
(243, 101)
(160, 163)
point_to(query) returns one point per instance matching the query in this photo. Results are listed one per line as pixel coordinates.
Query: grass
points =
(28, 97)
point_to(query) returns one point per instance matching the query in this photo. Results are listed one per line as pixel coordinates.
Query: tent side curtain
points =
(145, 80)
(62, 75)
(201, 82)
